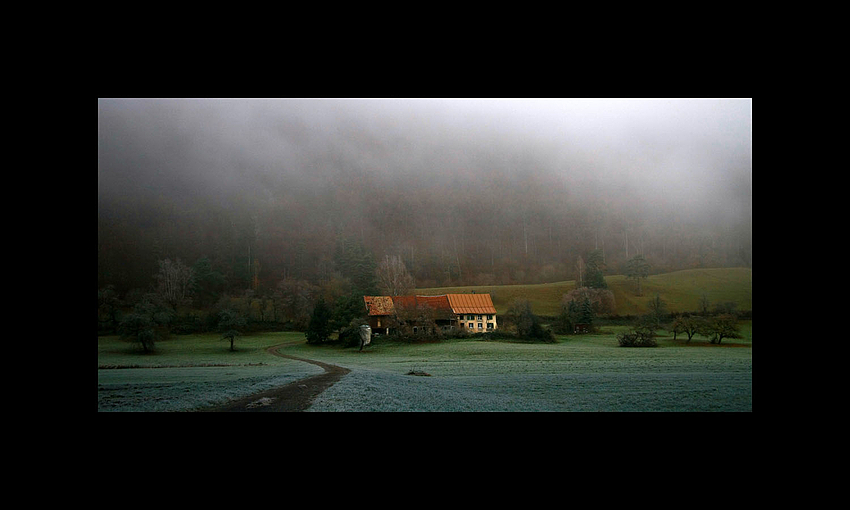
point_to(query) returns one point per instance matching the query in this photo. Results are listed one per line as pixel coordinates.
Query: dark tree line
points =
(182, 298)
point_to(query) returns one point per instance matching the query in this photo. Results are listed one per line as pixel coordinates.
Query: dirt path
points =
(294, 397)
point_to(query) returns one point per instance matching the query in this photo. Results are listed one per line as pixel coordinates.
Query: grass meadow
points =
(576, 373)
(190, 371)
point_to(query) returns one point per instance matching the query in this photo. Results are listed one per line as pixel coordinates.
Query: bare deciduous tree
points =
(421, 317)
(294, 299)
(174, 282)
(393, 278)
(688, 325)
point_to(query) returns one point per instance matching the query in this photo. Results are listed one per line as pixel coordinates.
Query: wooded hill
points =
(465, 193)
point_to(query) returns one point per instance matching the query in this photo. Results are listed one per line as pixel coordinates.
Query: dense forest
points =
(257, 192)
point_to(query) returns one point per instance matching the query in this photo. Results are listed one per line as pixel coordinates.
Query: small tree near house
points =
(320, 328)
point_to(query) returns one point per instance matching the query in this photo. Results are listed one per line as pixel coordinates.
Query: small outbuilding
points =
(581, 327)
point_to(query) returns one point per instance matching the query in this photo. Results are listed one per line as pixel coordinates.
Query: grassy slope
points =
(681, 290)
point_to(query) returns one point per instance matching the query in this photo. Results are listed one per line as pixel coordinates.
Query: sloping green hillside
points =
(681, 290)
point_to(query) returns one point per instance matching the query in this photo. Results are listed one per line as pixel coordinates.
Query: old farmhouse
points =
(470, 312)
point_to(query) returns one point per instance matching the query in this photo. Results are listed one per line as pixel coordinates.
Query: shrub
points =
(635, 338)
(647, 325)
(147, 324)
(349, 336)
(526, 324)
(563, 322)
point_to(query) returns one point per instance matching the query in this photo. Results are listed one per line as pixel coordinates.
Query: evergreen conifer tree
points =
(319, 328)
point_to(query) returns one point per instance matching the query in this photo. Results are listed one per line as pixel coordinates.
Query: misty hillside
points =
(486, 192)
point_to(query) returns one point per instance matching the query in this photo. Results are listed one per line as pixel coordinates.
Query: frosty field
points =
(587, 374)
(577, 373)
(190, 371)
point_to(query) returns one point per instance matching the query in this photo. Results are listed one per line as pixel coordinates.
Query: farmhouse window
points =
(489, 325)
(480, 317)
(489, 317)
(470, 317)
(480, 326)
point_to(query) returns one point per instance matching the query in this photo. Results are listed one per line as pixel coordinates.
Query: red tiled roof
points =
(445, 305)
(471, 303)
(439, 304)
(379, 305)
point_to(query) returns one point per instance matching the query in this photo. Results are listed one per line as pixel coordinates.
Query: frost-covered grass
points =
(576, 373)
(589, 373)
(581, 373)
(192, 371)
(379, 391)
(181, 389)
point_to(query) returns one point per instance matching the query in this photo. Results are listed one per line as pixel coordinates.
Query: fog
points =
(392, 172)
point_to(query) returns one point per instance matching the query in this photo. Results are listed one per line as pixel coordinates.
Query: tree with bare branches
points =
(175, 282)
(688, 325)
(393, 277)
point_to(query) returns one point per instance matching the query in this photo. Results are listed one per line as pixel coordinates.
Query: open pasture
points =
(583, 373)
(576, 373)
(191, 371)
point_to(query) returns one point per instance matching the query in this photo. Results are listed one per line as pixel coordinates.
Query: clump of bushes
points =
(349, 336)
(525, 323)
(635, 338)
(147, 324)
(643, 333)
(579, 309)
